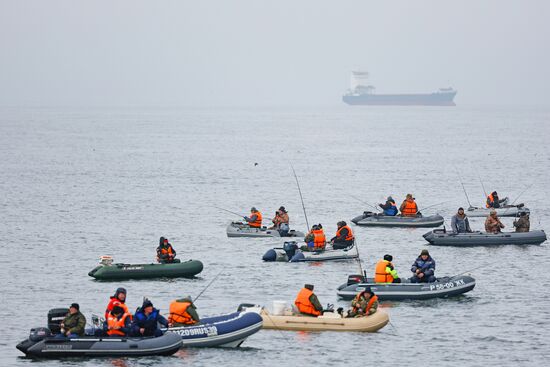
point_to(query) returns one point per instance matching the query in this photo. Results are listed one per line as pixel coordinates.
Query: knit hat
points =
(75, 305)
(388, 257)
(308, 286)
(282, 209)
(369, 291)
(146, 304)
(424, 252)
(119, 291)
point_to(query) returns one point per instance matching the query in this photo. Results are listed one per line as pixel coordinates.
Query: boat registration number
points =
(202, 330)
(447, 285)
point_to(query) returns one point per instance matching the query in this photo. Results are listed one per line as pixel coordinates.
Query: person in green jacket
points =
(74, 323)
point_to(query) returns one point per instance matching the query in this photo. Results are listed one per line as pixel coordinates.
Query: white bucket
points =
(279, 308)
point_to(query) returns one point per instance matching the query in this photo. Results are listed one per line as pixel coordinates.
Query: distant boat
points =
(362, 94)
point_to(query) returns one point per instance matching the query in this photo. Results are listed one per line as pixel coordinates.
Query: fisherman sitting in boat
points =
(73, 324)
(522, 224)
(281, 222)
(492, 223)
(344, 236)
(146, 320)
(423, 268)
(315, 240)
(390, 208)
(460, 223)
(165, 252)
(118, 299)
(183, 312)
(385, 271)
(409, 208)
(493, 201)
(307, 302)
(255, 219)
(364, 304)
(118, 323)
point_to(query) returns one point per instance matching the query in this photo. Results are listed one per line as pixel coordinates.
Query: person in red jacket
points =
(118, 299)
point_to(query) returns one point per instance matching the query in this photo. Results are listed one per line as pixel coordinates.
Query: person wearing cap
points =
(522, 224)
(74, 322)
(307, 302)
(117, 323)
(364, 304)
(460, 223)
(255, 219)
(390, 208)
(492, 223)
(493, 200)
(409, 208)
(165, 252)
(183, 312)
(119, 299)
(344, 236)
(385, 271)
(281, 222)
(423, 268)
(315, 240)
(146, 320)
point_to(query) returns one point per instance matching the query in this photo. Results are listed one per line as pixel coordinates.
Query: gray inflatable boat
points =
(443, 287)
(505, 211)
(291, 253)
(380, 220)
(440, 237)
(238, 229)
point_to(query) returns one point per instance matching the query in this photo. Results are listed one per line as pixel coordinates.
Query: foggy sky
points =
(248, 53)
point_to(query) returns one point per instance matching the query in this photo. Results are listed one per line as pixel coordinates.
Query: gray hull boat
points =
(440, 237)
(238, 229)
(291, 253)
(505, 211)
(443, 287)
(380, 220)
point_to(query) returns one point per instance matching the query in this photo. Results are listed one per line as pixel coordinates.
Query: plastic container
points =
(279, 308)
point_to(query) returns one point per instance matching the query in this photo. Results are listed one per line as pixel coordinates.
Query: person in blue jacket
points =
(146, 320)
(390, 208)
(423, 268)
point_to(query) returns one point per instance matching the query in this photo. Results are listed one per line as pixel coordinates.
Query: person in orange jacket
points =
(307, 302)
(409, 208)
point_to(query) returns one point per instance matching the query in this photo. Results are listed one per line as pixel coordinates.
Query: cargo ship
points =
(362, 94)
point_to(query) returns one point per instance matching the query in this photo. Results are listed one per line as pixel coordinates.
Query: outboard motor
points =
(39, 333)
(290, 249)
(55, 317)
(284, 229)
(354, 279)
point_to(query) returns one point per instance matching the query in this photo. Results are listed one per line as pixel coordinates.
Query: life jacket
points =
(490, 201)
(258, 222)
(179, 314)
(410, 208)
(380, 275)
(304, 304)
(319, 239)
(116, 302)
(392, 210)
(167, 250)
(349, 237)
(372, 299)
(113, 322)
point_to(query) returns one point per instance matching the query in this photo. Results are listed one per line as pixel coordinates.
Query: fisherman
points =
(364, 304)
(119, 299)
(390, 208)
(492, 223)
(409, 208)
(493, 201)
(385, 271)
(460, 223)
(344, 236)
(423, 268)
(183, 312)
(307, 302)
(165, 252)
(255, 219)
(146, 320)
(73, 324)
(281, 222)
(522, 224)
(118, 323)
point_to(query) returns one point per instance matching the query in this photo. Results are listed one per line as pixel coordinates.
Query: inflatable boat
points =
(505, 211)
(238, 229)
(443, 287)
(290, 252)
(440, 237)
(371, 219)
(109, 271)
(228, 330)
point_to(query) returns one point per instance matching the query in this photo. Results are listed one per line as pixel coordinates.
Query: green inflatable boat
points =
(110, 271)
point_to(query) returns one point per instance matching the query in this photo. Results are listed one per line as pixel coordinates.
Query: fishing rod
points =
(521, 193)
(364, 202)
(359, 261)
(463, 188)
(229, 211)
(301, 197)
(431, 206)
(467, 271)
(482, 186)
(205, 288)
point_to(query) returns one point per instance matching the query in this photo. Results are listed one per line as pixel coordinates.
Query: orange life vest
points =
(372, 299)
(167, 251)
(380, 275)
(178, 313)
(410, 208)
(490, 201)
(349, 237)
(319, 239)
(113, 322)
(116, 302)
(258, 222)
(304, 304)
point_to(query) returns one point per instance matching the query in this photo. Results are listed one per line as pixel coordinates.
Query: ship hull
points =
(432, 99)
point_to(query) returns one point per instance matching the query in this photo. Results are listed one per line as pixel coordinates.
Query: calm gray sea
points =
(79, 183)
